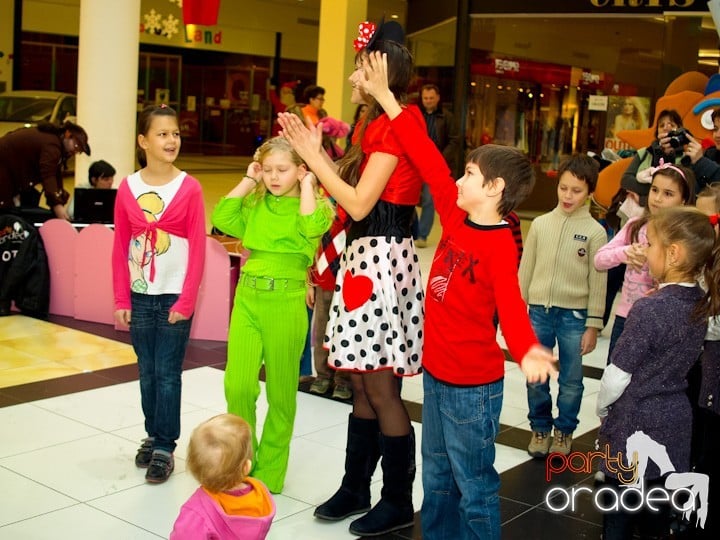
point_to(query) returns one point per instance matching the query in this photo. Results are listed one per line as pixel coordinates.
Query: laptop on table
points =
(94, 206)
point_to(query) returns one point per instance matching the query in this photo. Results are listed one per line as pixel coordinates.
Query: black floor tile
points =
(514, 437)
(510, 509)
(56, 387)
(530, 481)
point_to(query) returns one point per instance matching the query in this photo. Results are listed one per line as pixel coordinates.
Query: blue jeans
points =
(160, 348)
(617, 329)
(460, 482)
(566, 326)
(427, 217)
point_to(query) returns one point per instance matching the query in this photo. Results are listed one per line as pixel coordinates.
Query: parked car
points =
(25, 108)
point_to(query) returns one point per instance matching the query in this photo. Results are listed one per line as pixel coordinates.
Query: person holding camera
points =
(667, 147)
(674, 144)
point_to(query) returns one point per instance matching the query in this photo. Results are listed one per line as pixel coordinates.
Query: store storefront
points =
(217, 77)
(552, 83)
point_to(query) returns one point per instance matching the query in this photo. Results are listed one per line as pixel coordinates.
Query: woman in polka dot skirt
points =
(376, 316)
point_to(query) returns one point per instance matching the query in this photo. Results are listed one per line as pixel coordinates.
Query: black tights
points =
(376, 394)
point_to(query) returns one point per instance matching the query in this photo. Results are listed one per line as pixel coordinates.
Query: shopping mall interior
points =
(532, 75)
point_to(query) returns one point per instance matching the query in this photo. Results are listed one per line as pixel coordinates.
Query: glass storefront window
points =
(535, 80)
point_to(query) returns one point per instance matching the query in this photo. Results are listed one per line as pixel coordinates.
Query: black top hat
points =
(387, 31)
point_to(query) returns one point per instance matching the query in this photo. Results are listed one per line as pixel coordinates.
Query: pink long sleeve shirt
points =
(637, 283)
(184, 217)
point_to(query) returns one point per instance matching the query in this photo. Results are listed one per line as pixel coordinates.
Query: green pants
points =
(267, 326)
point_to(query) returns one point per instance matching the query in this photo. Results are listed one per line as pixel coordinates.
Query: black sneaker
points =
(160, 468)
(144, 454)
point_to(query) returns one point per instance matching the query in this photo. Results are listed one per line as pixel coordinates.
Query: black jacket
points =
(24, 272)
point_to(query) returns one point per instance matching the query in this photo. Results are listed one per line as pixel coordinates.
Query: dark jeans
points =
(615, 278)
(160, 348)
(617, 330)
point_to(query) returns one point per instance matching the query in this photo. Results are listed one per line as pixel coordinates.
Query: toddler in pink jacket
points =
(228, 504)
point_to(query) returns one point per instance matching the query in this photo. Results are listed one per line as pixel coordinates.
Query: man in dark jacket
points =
(38, 155)
(442, 130)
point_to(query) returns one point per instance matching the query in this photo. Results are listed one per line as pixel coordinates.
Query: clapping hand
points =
(306, 140)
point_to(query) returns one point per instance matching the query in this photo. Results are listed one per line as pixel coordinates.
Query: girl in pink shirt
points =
(158, 259)
(672, 185)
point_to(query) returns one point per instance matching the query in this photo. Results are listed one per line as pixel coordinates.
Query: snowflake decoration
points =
(170, 26)
(152, 22)
(178, 2)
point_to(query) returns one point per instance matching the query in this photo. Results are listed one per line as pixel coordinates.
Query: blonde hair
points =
(151, 205)
(218, 451)
(711, 191)
(271, 146)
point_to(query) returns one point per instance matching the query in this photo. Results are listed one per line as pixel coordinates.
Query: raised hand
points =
(375, 82)
(255, 171)
(306, 140)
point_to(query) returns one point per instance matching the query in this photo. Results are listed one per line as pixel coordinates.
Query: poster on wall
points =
(625, 113)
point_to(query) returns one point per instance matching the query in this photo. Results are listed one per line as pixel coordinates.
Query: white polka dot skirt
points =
(376, 316)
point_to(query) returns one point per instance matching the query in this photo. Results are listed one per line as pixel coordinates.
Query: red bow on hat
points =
(365, 34)
(714, 219)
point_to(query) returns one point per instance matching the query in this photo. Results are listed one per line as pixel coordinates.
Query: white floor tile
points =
(203, 388)
(507, 457)
(22, 499)
(151, 507)
(79, 522)
(47, 429)
(84, 469)
(303, 526)
(107, 409)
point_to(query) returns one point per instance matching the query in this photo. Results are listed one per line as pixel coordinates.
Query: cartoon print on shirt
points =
(452, 258)
(142, 250)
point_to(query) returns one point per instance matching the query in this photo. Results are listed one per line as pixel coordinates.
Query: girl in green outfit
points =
(278, 213)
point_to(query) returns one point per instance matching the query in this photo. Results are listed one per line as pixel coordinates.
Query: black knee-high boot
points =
(361, 456)
(395, 509)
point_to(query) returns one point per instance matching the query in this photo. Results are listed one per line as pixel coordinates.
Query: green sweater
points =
(557, 267)
(282, 242)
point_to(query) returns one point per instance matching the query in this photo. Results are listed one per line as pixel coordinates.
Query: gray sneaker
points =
(539, 444)
(342, 391)
(320, 386)
(562, 442)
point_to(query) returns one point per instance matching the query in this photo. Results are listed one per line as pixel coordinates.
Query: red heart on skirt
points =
(356, 290)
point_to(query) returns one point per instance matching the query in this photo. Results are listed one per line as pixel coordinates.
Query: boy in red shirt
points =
(474, 273)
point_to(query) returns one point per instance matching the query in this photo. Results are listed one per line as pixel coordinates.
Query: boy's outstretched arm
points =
(538, 364)
(411, 133)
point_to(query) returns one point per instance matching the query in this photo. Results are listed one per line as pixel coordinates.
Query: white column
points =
(107, 83)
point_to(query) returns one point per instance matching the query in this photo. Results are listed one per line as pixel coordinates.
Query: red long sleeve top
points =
(473, 275)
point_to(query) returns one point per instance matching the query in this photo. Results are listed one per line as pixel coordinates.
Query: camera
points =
(679, 137)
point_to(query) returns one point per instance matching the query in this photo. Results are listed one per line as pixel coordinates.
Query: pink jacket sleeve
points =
(613, 253)
(197, 239)
(121, 247)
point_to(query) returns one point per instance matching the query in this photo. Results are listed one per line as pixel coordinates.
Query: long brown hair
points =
(400, 70)
(683, 177)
